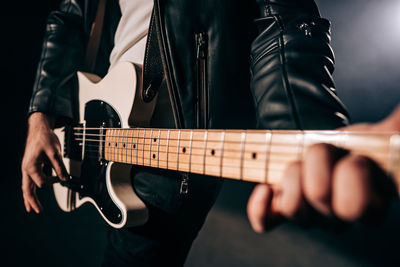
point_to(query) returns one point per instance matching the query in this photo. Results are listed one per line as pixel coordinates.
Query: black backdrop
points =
(366, 39)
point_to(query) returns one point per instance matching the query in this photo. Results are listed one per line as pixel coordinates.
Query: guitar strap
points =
(94, 38)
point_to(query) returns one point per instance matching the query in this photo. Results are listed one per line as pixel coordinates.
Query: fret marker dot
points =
(184, 149)
(213, 152)
(154, 156)
(254, 155)
(155, 139)
(123, 145)
(109, 144)
(116, 144)
(134, 145)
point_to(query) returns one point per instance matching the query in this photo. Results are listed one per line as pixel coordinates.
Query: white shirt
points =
(131, 35)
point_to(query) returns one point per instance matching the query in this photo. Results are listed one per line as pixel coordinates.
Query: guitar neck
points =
(250, 155)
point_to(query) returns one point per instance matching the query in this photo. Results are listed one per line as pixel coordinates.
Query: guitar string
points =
(209, 165)
(329, 132)
(95, 148)
(96, 143)
(275, 144)
(170, 139)
(201, 139)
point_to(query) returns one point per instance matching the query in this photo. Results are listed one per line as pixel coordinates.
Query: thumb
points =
(262, 218)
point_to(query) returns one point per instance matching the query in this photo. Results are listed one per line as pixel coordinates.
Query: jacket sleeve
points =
(62, 52)
(291, 66)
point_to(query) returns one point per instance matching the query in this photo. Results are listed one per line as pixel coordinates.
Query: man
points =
(205, 48)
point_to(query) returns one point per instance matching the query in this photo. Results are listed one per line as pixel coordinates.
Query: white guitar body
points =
(117, 90)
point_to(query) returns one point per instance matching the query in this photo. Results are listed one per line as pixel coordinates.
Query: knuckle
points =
(53, 154)
(25, 166)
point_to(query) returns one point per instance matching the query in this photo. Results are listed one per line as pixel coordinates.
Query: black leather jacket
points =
(228, 63)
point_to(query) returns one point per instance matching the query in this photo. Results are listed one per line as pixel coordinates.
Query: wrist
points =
(41, 119)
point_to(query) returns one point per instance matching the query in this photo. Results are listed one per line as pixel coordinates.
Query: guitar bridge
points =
(74, 184)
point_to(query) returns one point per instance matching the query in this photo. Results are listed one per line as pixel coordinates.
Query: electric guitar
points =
(100, 151)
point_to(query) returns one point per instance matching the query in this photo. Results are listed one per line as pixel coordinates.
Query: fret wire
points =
(243, 137)
(116, 147)
(169, 132)
(268, 139)
(151, 137)
(132, 133)
(120, 146)
(222, 152)
(120, 139)
(111, 142)
(204, 152)
(190, 150)
(144, 135)
(158, 148)
(177, 149)
(137, 146)
(126, 146)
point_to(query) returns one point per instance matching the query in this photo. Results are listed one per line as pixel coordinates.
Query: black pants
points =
(166, 238)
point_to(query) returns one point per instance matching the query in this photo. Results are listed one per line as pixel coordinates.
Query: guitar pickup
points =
(73, 136)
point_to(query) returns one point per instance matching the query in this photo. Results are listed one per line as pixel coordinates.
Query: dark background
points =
(366, 40)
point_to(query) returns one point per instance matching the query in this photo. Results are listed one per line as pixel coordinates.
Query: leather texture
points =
(261, 64)
(290, 77)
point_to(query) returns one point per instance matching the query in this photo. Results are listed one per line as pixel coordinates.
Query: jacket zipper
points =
(201, 78)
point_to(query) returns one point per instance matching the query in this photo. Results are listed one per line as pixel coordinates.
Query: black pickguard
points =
(92, 182)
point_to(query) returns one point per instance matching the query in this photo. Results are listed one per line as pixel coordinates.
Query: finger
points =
(290, 201)
(57, 163)
(352, 188)
(38, 178)
(318, 164)
(261, 216)
(26, 203)
(36, 198)
(29, 193)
